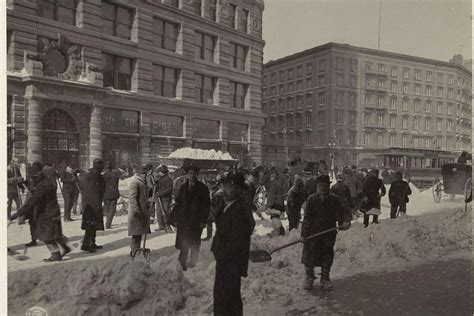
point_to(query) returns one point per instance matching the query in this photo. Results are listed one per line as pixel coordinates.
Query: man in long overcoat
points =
(231, 246)
(139, 212)
(42, 205)
(93, 188)
(163, 192)
(342, 191)
(323, 210)
(14, 185)
(372, 192)
(70, 191)
(275, 200)
(111, 194)
(398, 195)
(296, 197)
(192, 212)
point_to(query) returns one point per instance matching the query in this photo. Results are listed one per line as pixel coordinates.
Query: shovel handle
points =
(309, 237)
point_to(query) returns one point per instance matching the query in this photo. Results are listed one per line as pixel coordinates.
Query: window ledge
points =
(117, 39)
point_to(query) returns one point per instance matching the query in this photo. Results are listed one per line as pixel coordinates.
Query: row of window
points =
(118, 72)
(118, 20)
(289, 121)
(379, 121)
(378, 139)
(370, 100)
(291, 139)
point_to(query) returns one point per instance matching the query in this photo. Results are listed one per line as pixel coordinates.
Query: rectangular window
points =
(416, 142)
(393, 121)
(366, 138)
(322, 138)
(440, 78)
(405, 88)
(197, 7)
(282, 75)
(450, 80)
(404, 141)
(381, 69)
(339, 97)
(367, 119)
(427, 142)
(321, 117)
(379, 139)
(439, 124)
(440, 92)
(212, 9)
(290, 74)
(394, 72)
(238, 57)
(354, 66)
(368, 100)
(406, 73)
(417, 89)
(353, 99)
(308, 119)
(405, 104)
(381, 84)
(204, 46)
(428, 107)
(428, 91)
(450, 93)
(417, 75)
(204, 87)
(63, 11)
(450, 109)
(416, 123)
(429, 76)
(322, 65)
(309, 68)
(322, 98)
(117, 71)
(380, 120)
(245, 20)
(440, 108)
(405, 122)
(117, 20)
(174, 3)
(309, 83)
(449, 126)
(238, 94)
(339, 117)
(368, 66)
(299, 71)
(427, 125)
(165, 34)
(392, 140)
(299, 101)
(309, 100)
(352, 81)
(322, 81)
(282, 89)
(233, 14)
(340, 79)
(393, 103)
(339, 63)
(353, 118)
(308, 138)
(381, 102)
(299, 85)
(290, 87)
(165, 80)
(417, 106)
(393, 87)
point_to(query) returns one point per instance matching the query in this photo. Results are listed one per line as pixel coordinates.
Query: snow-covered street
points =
(108, 283)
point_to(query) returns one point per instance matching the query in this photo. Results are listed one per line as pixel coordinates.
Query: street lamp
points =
(332, 145)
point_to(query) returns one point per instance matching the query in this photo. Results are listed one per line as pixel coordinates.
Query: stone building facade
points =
(352, 103)
(131, 80)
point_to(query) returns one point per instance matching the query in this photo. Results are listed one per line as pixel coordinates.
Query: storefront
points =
(237, 136)
(120, 141)
(207, 134)
(167, 132)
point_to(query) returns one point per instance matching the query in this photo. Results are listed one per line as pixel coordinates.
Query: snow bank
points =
(195, 153)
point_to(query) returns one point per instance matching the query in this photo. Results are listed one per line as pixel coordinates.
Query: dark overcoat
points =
(111, 179)
(321, 214)
(310, 187)
(164, 189)
(139, 212)
(295, 201)
(275, 192)
(42, 206)
(373, 186)
(191, 211)
(231, 244)
(399, 192)
(343, 192)
(70, 183)
(92, 189)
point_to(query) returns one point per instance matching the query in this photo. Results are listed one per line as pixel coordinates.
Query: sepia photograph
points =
(237, 157)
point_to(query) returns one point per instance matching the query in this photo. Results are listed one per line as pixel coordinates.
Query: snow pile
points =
(194, 153)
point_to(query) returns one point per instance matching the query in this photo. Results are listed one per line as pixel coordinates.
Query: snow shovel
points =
(260, 255)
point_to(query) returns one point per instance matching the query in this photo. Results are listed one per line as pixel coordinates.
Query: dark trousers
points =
(9, 204)
(396, 207)
(89, 238)
(366, 219)
(209, 230)
(69, 199)
(183, 256)
(110, 207)
(32, 229)
(227, 298)
(136, 241)
(294, 217)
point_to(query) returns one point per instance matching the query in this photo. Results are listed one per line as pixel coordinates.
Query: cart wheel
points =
(437, 190)
(467, 190)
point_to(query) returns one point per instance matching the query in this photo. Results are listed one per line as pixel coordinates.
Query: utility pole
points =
(380, 23)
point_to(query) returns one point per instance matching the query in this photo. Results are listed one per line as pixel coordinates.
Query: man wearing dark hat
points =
(70, 191)
(43, 210)
(139, 213)
(372, 192)
(231, 246)
(398, 195)
(323, 210)
(163, 191)
(92, 188)
(192, 213)
(111, 195)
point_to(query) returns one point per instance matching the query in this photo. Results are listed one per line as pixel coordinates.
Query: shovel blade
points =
(260, 256)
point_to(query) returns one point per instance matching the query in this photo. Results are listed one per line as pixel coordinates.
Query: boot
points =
(326, 283)
(282, 231)
(94, 246)
(309, 279)
(88, 249)
(31, 244)
(55, 256)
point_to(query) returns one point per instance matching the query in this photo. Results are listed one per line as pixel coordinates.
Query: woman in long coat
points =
(192, 212)
(139, 213)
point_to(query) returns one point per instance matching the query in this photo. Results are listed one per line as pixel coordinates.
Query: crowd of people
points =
(228, 199)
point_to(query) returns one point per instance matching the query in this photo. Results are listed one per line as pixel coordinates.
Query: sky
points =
(436, 29)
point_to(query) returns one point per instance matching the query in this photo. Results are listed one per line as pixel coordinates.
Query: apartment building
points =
(350, 103)
(132, 80)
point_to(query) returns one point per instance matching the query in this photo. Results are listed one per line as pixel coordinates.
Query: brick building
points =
(128, 80)
(355, 103)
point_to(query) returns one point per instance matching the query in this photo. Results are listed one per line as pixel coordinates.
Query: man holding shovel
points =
(162, 197)
(323, 210)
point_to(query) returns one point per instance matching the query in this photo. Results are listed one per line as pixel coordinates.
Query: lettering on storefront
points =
(167, 125)
(120, 121)
(207, 129)
(236, 131)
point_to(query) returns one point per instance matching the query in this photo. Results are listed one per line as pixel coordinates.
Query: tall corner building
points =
(132, 80)
(355, 104)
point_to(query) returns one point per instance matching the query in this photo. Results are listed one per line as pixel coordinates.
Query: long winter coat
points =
(93, 189)
(70, 183)
(320, 215)
(371, 189)
(111, 179)
(13, 185)
(295, 201)
(42, 206)
(191, 210)
(310, 187)
(275, 192)
(343, 192)
(139, 212)
(355, 183)
(399, 192)
(232, 240)
(164, 189)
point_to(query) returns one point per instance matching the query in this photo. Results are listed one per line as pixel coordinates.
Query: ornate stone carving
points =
(32, 64)
(60, 57)
(92, 74)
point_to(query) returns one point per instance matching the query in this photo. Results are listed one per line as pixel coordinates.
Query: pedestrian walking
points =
(111, 194)
(231, 246)
(398, 195)
(43, 206)
(192, 212)
(323, 210)
(342, 191)
(311, 185)
(93, 189)
(162, 195)
(14, 186)
(70, 191)
(275, 201)
(372, 192)
(295, 201)
(139, 212)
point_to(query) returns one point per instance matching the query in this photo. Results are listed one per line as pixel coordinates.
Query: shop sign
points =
(166, 125)
(207, 129)
(235, 131)
(120, 121)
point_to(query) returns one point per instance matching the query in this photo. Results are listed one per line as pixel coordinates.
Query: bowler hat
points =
(323, 179)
